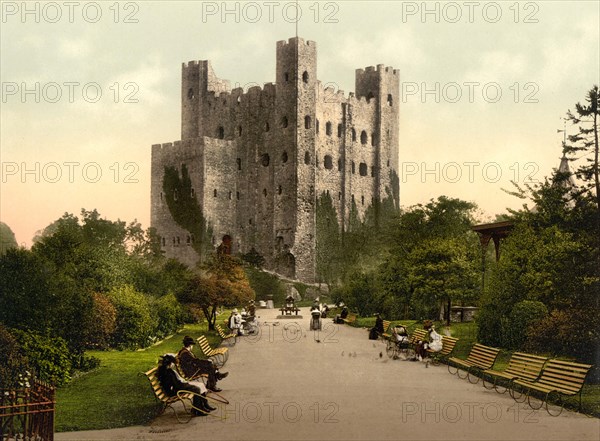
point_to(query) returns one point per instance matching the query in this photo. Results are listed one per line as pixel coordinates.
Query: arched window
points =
(305, 77)
(328, 128)
(279, 190)
(267, 126)
(286, 77)
(363, 137)
(164, 242)
(340, 130)
(239, 163)
(230, 195)
(284, 157)
(328, 162)
(220, 132)
(215, 193)
(353, 134)
(307, 122)
(284, 122)
(369, 96)
(390, 100)
(239, 130)
(362, 169)
(264, 192)
(192, 193)
(191, 94)
(307, 158)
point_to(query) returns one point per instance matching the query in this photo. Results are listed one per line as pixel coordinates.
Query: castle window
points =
(362, 169)
(353, 168)
(239, 130)
(174, 241)
(307, 122)
(363, 137)
(305, 77)
(250, 221)
(279, 190)
(264, 192)
(164, 242)
(328, 128)
(390, 100)
(340, 164)
(191, 94)
(239, 99)
(373, 139)
(369, 96)
(220, 132)
(192, 193)
(267, 126)
(339, 196)
(175, 195)
(264, 160)
(284, 122)
(224, 102)
(286, 77)
(362, 200)
(161, 196)
(388, 162)
(284, 157)
(239, 163)
(327, 195)
(178, 240)
(353, 134)
(340, 130)
(215, 193)
(328, 162)
(237, 195)
(317, 125)
(307, 158)
(188, 241)
(230, 194)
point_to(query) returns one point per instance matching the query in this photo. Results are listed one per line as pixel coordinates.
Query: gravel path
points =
(284, 385)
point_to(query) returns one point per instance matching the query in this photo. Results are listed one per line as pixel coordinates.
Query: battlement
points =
(381, 68)
(295, 40)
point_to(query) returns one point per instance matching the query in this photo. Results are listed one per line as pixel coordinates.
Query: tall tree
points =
(586, 142)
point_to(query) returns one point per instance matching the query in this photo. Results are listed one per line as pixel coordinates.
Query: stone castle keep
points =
(258, 161)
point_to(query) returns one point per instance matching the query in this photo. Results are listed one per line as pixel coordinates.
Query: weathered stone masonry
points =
(259, 160)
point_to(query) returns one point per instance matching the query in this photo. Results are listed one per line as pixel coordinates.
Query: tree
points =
(7, 238)
(223, 283)
(586, 142)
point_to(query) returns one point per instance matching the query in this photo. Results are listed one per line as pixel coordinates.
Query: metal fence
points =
(28, 413)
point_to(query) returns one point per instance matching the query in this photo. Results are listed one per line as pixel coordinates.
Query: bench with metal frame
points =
(218, 356)
(560, 378)
(231, 337)
(521, 366)
(480, 358)
(448, 345)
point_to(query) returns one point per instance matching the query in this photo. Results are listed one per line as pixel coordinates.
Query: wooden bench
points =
(231, 337)
(562, 378)
(448, 344)
(218, 355)
(480, 358)
(521, 366)
(387, 333)
(166, 400)
(350, 319)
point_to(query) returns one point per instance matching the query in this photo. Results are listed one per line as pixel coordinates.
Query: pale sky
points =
(485, 85)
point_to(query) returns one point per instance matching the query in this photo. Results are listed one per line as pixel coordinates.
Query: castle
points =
(254, 164)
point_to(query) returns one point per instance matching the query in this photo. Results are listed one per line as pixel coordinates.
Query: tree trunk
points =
(448, 313)
(596, 178)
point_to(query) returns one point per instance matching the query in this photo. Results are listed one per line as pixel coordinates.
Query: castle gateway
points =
(251, 168)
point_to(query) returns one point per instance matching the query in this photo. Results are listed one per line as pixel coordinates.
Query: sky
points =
(88, 87)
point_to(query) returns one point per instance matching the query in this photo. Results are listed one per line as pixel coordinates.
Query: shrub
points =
(573, 333)
(136, 324)
(489, 327)
(170, 315)
(103, 322)
(49, 357)
(524, 314)
(12, 360)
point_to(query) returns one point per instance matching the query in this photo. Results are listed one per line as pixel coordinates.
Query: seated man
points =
(172, 383)
(340, 318)
(193, 367)
(236, 322)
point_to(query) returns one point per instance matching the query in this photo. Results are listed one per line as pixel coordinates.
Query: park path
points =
(284, 385)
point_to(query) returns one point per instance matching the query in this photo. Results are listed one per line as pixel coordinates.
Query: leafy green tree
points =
(7, 238)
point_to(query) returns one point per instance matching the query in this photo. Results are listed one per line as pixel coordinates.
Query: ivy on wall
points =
(185, 209)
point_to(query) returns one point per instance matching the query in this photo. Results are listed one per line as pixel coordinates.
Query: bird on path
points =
(380, 354)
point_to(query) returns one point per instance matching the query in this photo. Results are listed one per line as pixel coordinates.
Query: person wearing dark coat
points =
(377, 330)
(172, 383)
(192, 367)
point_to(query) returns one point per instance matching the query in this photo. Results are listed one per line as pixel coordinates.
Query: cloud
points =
(73, 48)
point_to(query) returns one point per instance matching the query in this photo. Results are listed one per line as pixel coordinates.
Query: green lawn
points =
(115, 394)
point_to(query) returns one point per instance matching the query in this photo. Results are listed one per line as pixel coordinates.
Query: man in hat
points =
(193, 367)
(171, 382)
(235, 322)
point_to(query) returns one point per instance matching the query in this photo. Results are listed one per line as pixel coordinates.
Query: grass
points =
(115, 394)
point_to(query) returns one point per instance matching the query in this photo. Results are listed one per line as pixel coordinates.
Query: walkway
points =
(284, 385)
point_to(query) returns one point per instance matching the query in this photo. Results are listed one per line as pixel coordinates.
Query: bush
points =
(523, 315)
(265, 284)
(49, 357)
(136, 324)
(489, 327)
(170, 315)
(12, 360)
(572, 333)
(103, 322)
